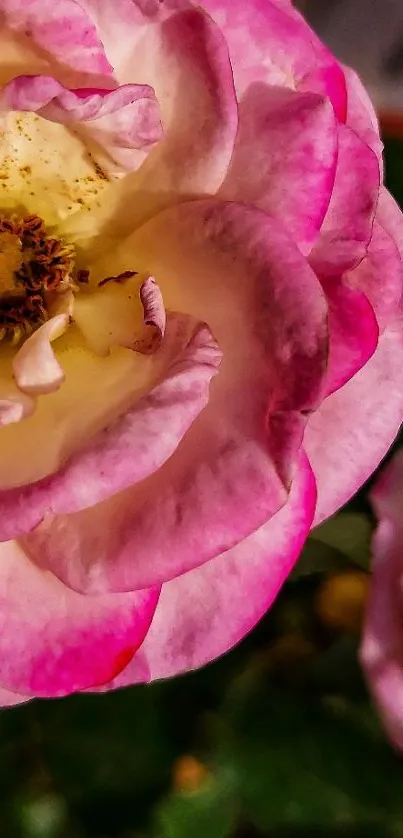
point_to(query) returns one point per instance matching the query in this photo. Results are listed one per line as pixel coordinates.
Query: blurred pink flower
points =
(200, 278)
(382, 644)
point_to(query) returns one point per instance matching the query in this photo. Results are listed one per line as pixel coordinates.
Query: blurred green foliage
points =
(283, 738)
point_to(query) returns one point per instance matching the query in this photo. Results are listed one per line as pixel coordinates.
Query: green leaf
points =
(306, 761)
(207, 813)
(317, 558)
(350, 534)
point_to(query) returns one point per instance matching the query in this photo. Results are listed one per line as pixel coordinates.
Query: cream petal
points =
(18, 55)
(45, 169)
(94, 392)
(35, 365)
(14, 405)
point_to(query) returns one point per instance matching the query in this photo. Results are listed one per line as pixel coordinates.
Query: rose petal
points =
(347, 227)
(137, 671)
(95, 392)
(35, 365)
(54, 641)
(122, 24)
(120, 313)
(354, 427)
(66, 31)
(285, 158)
(361, 114)
(380, 275)
(185, 61)
(134, 446)
(354, 332)
(10, 699)
(154, 316)
(45, 169)
(390, 217)
(205, 612)
(233, 469)
(382, 648)
(14, 406)
(20, 55)
(256, 34)
(124, 123)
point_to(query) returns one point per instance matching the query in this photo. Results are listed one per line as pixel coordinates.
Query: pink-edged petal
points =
(380, 275)
(390, 217)
(64, 30)
(35, 365)
(361, 114)
(54, 641)
(233, 469)
(285, 157)
(382, 646)
(185, 60)
(129, 450)
(354, 332)
(137, 671)
(124, 123)
(257, 33)
(347, 227)
(205, 612)
(354, 427)
(10, 699)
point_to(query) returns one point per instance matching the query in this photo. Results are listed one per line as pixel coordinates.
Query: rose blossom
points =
(201, 353)
(382, 644)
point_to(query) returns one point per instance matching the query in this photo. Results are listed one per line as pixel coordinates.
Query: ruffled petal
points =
(241, 273)
(352, 430)
(285, 158)
(127, 451)
(54, 641)
(121, 124)
(154, 316)
(185, 60)
(35, 365)
(382, 647)
(65, 31)
(256, 33)
(347, 227)
(205, 612)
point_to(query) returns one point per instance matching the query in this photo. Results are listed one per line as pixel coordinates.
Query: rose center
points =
(34, 267)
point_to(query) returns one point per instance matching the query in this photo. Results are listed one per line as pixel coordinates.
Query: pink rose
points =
(200, 274)
(382, 644)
